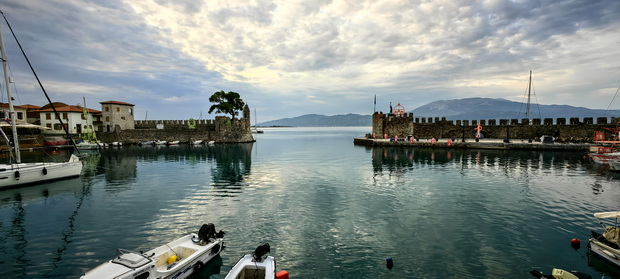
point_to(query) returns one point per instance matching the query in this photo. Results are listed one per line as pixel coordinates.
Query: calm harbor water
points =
(328, 208)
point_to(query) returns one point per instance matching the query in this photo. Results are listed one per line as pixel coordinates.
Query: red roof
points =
(70, 109)
(117, 103)
(5, 105)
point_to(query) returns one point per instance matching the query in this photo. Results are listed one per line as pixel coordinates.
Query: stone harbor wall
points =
(222, 129)
(562, 129)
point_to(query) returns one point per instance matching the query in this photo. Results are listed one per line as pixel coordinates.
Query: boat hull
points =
(604, 252)
(17, 175)
(154, 263)
(260, 270)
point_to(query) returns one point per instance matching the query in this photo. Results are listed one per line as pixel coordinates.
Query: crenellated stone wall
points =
(563, 129)
(222, 129)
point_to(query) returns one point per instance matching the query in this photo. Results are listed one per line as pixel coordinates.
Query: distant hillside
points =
(460, 109)
(316, 120)
(487, 108)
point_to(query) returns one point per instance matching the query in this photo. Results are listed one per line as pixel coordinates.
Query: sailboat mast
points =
(8, 93)
(529, 91)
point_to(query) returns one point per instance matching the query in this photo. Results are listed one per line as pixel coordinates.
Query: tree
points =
(227, 103)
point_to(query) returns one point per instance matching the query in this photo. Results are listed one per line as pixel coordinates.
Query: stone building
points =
(117, 116)
(73, 117)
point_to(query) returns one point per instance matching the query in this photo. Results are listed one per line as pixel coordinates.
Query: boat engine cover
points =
(206, 232)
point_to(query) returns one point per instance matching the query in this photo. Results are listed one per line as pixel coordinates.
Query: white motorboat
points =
(197, 142)
(606, 246)
(257, 266)
(87, 145)
(146, 143)
(15, 173)
(614, 164)
(557, 273)
(174, 142)
(211, 142)
(177, 259)
(160, 142)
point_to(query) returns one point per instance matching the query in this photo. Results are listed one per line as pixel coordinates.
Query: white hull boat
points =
(174, 142)
(606, 246)
(177, 259)
(197, 142)
(87, 145)
(256, 266)
(16, 175)
(557, 273)
(161, 142)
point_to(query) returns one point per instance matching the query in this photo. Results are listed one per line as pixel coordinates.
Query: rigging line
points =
(612, 101)
(537, 104)
(39, 81)
(522, 102)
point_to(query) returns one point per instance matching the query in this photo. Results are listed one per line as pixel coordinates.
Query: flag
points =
(375, 107)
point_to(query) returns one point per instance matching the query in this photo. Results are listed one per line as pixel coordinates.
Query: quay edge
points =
(482, 144)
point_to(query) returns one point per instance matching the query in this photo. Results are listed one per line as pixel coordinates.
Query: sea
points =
(328, 208)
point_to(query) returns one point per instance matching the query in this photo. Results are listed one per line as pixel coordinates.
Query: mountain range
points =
(458, 109)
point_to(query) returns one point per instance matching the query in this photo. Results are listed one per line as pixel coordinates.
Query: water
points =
(328, 208)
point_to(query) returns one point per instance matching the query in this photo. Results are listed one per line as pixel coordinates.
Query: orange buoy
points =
(282, 274)
(575, 243)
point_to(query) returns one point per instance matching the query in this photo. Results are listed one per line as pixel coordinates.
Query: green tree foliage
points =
(227, 103)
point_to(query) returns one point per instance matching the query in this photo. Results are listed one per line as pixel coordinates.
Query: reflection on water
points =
(323, 204)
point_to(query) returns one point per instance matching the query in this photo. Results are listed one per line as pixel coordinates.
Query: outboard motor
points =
(260, 251)
(206, 232)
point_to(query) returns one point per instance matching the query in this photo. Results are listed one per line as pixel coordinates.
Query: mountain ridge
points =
(475, 108)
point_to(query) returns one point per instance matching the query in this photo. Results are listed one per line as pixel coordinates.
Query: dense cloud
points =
(327, 57)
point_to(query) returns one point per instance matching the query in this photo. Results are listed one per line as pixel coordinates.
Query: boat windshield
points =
(130, 259)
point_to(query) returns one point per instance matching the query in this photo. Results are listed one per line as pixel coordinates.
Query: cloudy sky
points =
(289, 58)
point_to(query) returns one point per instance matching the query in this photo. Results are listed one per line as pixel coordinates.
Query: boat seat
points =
(612, 234)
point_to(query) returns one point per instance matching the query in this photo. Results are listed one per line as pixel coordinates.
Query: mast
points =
(529, 91)
(7, 80)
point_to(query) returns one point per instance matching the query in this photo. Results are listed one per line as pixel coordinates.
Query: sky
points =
(290, 58)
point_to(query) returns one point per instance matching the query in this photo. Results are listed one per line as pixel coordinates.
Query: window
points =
(2, 114)
(107, 108)
(130, 111)
(118, 109)
(107, 119)
(83, 117)
(20, 115)
(48, 116)
(64, 115)
(123, 117)
(48, 125)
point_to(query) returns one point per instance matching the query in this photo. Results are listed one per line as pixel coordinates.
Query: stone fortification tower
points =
(117, 116)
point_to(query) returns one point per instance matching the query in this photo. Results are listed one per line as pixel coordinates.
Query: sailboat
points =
(15, 173)
(256, 130)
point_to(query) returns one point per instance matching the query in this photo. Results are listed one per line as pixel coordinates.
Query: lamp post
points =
(463, 130)
(507, 140)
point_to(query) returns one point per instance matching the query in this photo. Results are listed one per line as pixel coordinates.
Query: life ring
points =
(44, 171)
(195, 238)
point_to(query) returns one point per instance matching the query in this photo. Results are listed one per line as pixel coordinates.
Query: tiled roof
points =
(5, 105)
(70, 109)
(117, 103)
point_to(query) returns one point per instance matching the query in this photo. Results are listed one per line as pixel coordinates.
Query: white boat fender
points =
(44, 171)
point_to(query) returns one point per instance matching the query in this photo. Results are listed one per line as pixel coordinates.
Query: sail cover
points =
(610, 214)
